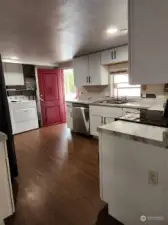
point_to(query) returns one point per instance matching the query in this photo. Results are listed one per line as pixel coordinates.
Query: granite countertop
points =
(131, 105)
(148, 134)
(79, 101)
(3, 137)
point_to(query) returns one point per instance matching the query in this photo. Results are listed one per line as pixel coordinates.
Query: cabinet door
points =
(14, 73)
(114, 55)
(121, 54)
(69, 122)
(6, 198)
(81, 71)
(107, 57)
(95, 122)
(69, 118)
(94, 69)
(148, 35)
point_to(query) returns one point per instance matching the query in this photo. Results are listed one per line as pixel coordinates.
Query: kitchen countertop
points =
(3, 136)
(130, 105)
(79, 101)
(157, 136)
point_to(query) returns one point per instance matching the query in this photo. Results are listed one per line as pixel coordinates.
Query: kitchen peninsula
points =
(133, 171)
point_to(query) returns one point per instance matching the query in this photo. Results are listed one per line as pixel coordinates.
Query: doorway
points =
(69, 85)
(51, 95)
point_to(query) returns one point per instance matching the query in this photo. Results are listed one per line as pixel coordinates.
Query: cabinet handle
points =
(115, 54)
(104, 120)
(112, 55)
(89, 80)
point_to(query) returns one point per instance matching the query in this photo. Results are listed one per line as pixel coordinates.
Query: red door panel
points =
(53, 115)
(51, 88)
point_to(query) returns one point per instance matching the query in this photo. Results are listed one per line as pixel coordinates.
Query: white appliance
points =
(23, 114)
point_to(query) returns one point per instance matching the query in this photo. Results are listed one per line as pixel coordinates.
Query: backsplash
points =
(97, 92)
(157, 89)
(94, 92)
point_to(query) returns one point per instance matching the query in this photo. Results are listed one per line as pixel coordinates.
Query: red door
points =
(51, 90)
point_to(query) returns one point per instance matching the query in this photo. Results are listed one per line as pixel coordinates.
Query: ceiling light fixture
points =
(112, 30)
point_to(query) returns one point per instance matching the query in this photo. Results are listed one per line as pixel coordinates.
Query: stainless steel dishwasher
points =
(80, 116)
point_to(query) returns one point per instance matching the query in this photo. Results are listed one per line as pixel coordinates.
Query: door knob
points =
(41, 100)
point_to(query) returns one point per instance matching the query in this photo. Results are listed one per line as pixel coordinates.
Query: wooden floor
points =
(58, 181)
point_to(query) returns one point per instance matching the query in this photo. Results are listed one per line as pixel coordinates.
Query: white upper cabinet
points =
(148, 41)
(81, 70)
(89, 71)
(114, 55)
(98, 74)
(13, 73)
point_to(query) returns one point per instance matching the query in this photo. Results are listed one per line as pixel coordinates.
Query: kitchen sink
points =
(114, 101)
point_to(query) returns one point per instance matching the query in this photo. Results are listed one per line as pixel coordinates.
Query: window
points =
(120, 86)
(69, 87)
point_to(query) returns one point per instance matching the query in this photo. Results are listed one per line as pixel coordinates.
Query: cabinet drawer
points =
(111, 112)
(23, 126)
(24, 114)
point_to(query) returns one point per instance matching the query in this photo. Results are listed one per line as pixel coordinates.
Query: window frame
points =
(113, 85)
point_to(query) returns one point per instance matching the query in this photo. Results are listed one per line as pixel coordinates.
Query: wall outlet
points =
(153, 177)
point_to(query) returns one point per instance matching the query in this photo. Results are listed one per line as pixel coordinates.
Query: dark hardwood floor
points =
(58, 181)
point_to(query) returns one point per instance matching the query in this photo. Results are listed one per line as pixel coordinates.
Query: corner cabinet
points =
(88, 71)
(13, 73)
(148, 36)
(114, 55)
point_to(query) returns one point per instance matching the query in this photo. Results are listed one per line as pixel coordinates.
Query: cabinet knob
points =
(115, 54)
(104, 120)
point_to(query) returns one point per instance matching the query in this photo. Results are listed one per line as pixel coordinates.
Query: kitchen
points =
(121, 101)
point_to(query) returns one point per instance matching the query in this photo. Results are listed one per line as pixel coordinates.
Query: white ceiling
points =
(50, 31)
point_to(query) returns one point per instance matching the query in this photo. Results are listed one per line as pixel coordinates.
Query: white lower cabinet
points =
(69, 121)
(125, 166)
(6, 195)
(95, 122)
(69, 118)
(100, 115)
